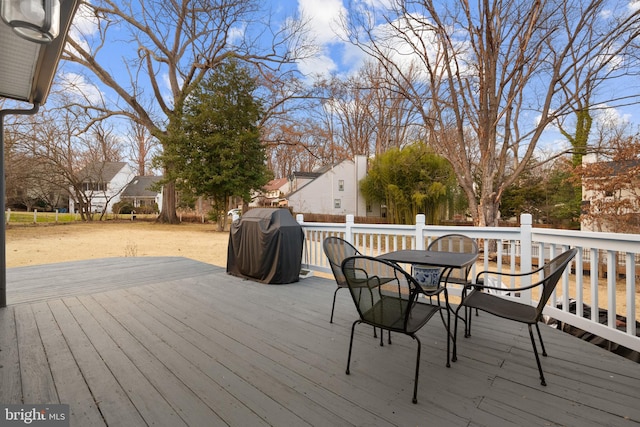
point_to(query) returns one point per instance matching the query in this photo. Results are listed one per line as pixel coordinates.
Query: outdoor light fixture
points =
(34, 20)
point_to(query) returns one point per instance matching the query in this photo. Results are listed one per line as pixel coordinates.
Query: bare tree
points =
(103, 144)
(301, 146)
(292, 138)
(174, 43)
(47, 153)
(488, 78)
(141, 147)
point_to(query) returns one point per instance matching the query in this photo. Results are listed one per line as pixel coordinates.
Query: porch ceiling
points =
(26, 68)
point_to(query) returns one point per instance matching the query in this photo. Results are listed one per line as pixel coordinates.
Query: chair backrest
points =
(337, 250)
(383, 292)
(552, 271)
(455, 243)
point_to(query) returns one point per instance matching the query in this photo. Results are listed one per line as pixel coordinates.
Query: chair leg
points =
(544, 351)
(449, 338)
(333, 307)
(454, 355)
(415, 383)
(353, 328)
(382, 337)
(535, 352)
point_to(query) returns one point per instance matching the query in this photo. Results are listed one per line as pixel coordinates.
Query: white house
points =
(102, 184)
(334, 190)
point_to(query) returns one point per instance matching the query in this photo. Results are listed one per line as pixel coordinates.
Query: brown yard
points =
(45, 244)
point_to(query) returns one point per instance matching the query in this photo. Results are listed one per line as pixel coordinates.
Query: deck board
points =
(115, 406)
(35, 372)
(172, 341)
(148, 400)
(11, 390)
(69, 383)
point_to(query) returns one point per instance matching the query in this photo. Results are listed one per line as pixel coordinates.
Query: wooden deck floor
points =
(172, 341)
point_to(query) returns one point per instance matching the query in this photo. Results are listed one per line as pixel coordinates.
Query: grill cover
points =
(266, 245)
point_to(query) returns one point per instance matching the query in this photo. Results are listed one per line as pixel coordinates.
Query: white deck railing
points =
(607, 261)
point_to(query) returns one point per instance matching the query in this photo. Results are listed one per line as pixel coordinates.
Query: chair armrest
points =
(501, 273)
(480, 282)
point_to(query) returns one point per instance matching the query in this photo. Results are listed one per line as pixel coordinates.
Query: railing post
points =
(421, 221)
(300, 219)
(348, 231)
(526, 230)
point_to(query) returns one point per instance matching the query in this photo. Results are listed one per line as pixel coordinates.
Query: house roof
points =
(100, 171)
(275, 184)
(311, 175)
(621, 166)
(140, 186)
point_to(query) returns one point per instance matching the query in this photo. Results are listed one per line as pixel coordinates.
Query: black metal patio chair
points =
(474, 296)
(387, 297)
(337, 250)
(455, 243)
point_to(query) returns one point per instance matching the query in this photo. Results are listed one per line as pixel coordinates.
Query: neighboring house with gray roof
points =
(102, 184)
(139, 192)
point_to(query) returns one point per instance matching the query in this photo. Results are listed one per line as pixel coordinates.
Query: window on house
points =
(341, 185)
(93, 186)
(337, 203)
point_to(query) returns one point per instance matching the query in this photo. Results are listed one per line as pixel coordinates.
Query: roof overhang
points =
(27, 68)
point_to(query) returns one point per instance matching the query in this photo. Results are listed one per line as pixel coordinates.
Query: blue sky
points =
(335, 56)
(321, 17)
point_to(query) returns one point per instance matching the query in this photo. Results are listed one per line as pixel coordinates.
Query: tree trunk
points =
(168, 211)
(488, 212)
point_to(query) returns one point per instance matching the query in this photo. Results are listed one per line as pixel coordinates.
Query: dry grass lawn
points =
(45, 244)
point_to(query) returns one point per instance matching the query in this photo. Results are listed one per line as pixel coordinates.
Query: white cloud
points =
(236, 34)
(611, 117)
(76, 85)
(378, 4)
(84, 26)
(322, 18)
(319, 65)
(324, 22)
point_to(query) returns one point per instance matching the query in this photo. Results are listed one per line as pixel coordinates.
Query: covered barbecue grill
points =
(266, 245)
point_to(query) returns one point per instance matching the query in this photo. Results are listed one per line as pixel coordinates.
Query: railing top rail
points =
(609, 241)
